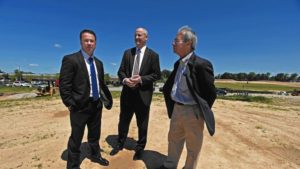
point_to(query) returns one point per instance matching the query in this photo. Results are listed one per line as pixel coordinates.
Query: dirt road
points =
(34, 134)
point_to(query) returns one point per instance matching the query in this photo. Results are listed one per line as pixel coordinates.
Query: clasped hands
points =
(133, 81)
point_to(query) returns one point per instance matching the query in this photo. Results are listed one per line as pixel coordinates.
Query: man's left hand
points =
(136, 79)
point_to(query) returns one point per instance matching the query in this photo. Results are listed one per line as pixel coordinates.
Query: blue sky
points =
(235, 35)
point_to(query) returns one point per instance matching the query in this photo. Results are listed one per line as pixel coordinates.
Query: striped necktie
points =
(136, 68)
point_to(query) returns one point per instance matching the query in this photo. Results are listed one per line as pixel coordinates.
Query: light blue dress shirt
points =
(180, 91)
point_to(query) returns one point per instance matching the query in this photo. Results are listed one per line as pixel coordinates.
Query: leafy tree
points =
(293, 77)
(106, 78)
(264, 76)
(241, 76)
(251, 76)
(18, 74)
(227, 75)
(165, 74)
(5, 76)
(283, 77)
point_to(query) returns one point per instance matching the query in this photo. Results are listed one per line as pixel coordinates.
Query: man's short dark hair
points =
(87, 31)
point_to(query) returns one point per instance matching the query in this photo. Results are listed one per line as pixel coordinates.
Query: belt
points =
(179, 103)
(91, 99)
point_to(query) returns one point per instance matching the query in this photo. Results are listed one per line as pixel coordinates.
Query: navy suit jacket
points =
(200, 81)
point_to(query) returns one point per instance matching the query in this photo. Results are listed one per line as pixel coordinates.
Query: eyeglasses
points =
(177, 42)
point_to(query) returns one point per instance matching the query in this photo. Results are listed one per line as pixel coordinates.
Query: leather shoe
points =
(100, 160)
(115, 150)
(138, 155)
(162, 167)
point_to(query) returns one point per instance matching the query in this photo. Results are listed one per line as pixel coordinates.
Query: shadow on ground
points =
(152, 159)
(85, 152)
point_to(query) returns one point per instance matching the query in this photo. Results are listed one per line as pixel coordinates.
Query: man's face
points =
(140, 38)
(88, 43)
(180, 47)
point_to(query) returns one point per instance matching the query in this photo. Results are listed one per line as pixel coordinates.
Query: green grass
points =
(11, 90)
(115, 94)
(255, 87)
(258, 99)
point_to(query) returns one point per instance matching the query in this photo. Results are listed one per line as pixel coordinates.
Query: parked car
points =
(295, 93)
(9, 84)
(283, 93)
(221, 92)
(160, 89)
(21, 84)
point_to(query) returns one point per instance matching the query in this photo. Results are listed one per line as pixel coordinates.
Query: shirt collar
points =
(186, 58)
(85, 55)
(142, 49)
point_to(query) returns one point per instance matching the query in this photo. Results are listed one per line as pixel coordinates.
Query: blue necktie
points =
(94, 80)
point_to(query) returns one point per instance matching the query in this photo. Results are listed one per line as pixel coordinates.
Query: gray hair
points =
(188, 34)
(144, 29)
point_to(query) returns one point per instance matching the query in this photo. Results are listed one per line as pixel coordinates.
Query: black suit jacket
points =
(74, 84)
(200, 80)
(149, 72)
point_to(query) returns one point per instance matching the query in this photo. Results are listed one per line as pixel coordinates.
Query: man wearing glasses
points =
(189, 95)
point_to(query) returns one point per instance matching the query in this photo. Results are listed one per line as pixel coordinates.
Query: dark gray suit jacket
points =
(74, 84)
(149, 72)
(200, 80)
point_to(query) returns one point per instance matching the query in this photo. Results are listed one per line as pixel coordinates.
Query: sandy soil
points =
(34, 134)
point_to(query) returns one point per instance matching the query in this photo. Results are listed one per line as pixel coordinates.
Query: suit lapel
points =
(83, 66)
(131, 59)
(144, 61)
(98, 67)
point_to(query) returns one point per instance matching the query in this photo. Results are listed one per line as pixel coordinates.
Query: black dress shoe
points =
(138, 155)
(100, 160)
(115, 150)
(162, 167)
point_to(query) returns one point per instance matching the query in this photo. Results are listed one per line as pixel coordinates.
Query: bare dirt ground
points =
(34, 134)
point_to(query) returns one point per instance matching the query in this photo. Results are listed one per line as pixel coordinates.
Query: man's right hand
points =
(129, 82)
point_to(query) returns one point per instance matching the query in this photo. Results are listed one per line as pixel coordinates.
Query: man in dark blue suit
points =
(189, 95)
(84, 92)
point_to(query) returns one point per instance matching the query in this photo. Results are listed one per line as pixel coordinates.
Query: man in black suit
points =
(138, 70)
(84, 92)
(189, 95)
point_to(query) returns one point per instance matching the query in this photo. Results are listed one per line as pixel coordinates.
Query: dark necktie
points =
(94, 80)
(137, 63)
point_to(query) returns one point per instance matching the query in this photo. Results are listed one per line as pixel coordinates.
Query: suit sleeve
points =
(122, 70)
(106, 96)
(155, 74)
(207, 80)
(65, 81)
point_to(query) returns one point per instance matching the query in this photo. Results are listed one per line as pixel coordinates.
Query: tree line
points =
(251, 76)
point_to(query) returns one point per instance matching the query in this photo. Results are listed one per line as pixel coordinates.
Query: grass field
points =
(232, 85)
(255, 86)
(13, 90)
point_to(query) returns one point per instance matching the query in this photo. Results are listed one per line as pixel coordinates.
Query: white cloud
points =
(33, 64)
(113, 64)
(56, 45)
